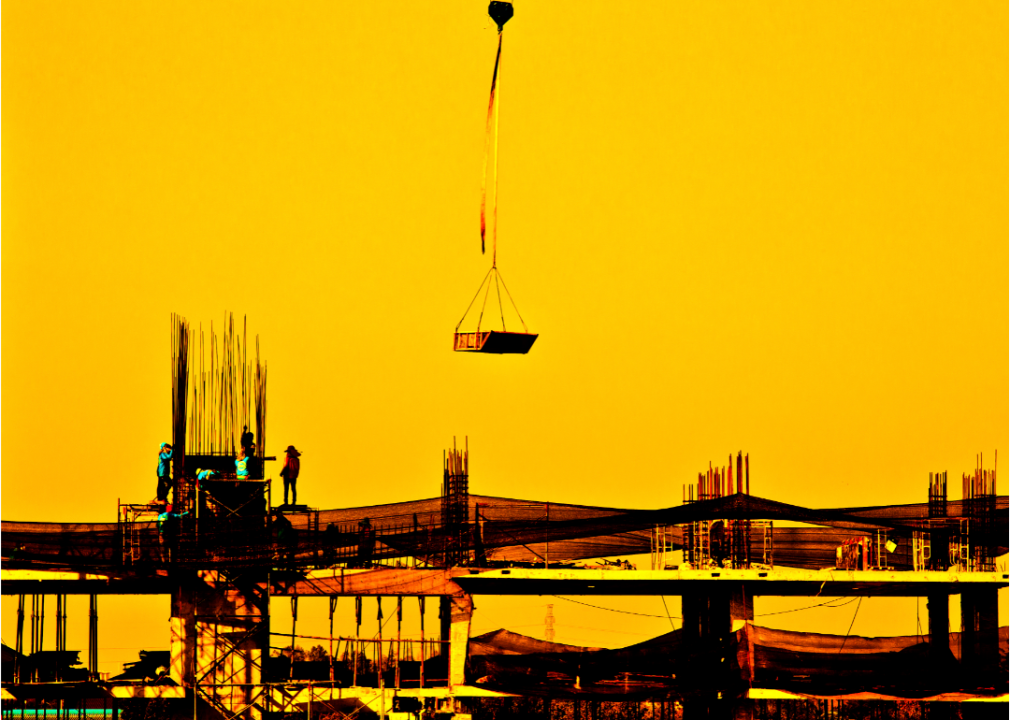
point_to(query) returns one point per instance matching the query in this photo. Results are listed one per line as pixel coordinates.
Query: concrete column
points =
(461, 611)
(220, 636)
(741, 607)
(741, 613)
(980, 635)
(743, 709)
(444, 621)
(938, 608)
(691, 606)
(968, 625)
(711, 617)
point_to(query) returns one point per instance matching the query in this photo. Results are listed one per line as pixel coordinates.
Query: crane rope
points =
(499, 285)
(491, 156)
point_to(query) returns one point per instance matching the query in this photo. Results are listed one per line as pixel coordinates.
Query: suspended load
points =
(499, 342)
(493, 341)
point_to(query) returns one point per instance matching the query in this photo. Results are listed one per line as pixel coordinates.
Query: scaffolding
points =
(663, 544)
(766, 528)
(138, 532)
(728, 541)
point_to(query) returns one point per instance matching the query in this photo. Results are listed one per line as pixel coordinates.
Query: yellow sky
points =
(777, 227)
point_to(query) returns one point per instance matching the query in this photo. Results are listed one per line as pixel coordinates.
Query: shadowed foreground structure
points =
(226, 564)
(225, 550)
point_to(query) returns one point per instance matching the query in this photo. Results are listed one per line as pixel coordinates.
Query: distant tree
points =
(318, 654)
(364, 664)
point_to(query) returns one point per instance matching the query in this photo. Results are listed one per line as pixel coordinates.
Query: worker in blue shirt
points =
(242, 465)
(164, 472)
(168, 530)
(202, 475)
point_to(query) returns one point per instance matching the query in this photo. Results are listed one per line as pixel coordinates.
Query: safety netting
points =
(802, 662)
(497, 530)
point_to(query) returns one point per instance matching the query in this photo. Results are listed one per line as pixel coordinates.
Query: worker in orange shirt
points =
(292, 466)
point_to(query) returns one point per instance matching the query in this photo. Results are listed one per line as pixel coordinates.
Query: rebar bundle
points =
(229, 393)
(456, 504)
(179, 330)
(940, 544)
(938, 495)
(979, 492)
(707, 540)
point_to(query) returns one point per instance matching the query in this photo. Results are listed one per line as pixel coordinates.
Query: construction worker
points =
(242, 465)
(366, 543)
(247, 441)
(202, 475)
(164, 472)
(286, 539)
(168, 530)
(292, 466)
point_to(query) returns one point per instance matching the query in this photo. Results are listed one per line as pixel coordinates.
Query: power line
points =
(618, 632)
(624, 612)
(850, 626)
(663, 598)
(671, 618)
(810, 607)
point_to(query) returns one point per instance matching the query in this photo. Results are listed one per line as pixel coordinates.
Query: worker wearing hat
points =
(292, 466)
(164, 472)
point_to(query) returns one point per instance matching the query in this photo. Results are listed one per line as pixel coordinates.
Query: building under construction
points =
(230, 551)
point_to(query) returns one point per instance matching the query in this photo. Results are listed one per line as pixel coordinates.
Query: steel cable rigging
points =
(493, 341)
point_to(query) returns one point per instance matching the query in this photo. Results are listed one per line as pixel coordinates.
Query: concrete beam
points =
(375, 581)
(51, 582)
(523, 581)
(771, 694)
(777, 581)
(148, 692)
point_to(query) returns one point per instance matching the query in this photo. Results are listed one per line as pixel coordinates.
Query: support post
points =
(20, 642)
(444, 622)
(93, 636)
(294, 621)
(420, 602)
(333, 608)
(61, 627)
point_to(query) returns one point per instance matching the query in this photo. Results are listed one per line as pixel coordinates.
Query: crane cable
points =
(491, 154)
(500, 12)
(497, 279)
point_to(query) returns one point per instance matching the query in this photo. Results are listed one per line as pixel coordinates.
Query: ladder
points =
(132, 520)
(964, 546)
(703, 542)
(921, 550)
